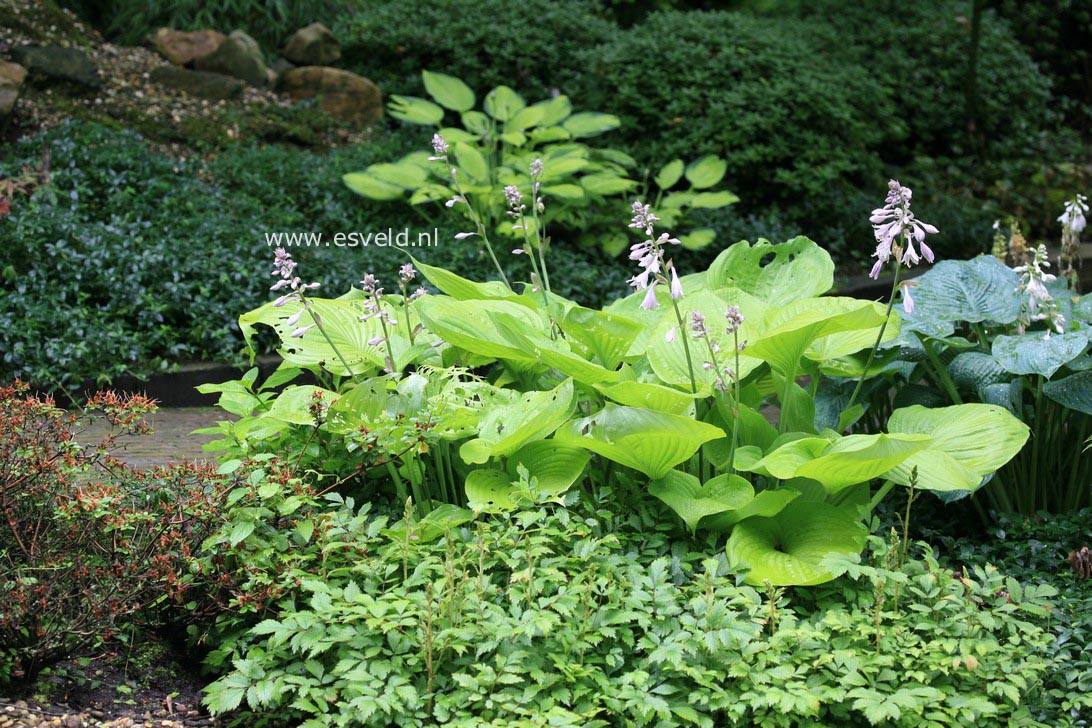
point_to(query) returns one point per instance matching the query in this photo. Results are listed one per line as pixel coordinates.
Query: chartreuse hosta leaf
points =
(341, 323)
(554, 353)
(647, 395)
(464, 289)
(448, 91)
(472, 325)
(766, 503)
(502, 103)
(969, 441)
(789, 548)
(534, 416)
(836, 464)
(554, 465)
(693, 500)
(413, 110)
(605, 336)
(799, 269)
(648, 441)
(668, 358)
(790, 330)
(295, 404)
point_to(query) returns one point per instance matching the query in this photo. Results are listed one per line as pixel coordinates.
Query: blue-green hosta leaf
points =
(668, 358)
(1007, 394)
(295, 402)
(1034, 354)
(473, 326)
(793, 328)
(502, 103)
(972, 370)
(970, 441)
(590, 123)
(648, 441)
(799, 269)
(706, 172)
(413, 110)
(982, 289)
(448, 91)
(506, 428)
(1074, 391)
(648, 395)
(788, 549)
(844, 462)
(670, 174)
(556, 465)
(693, 500)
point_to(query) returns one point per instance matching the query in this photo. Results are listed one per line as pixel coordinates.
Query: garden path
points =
(170, 440)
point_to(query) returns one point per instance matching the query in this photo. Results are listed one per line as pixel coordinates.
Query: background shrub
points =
(530, 46)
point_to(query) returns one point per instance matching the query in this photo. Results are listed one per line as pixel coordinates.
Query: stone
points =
(314, 45)
(239, 57)
(280, 65)
(205, 85)
(57, 64)
(343, 95)
(183, 47)
(12, 76)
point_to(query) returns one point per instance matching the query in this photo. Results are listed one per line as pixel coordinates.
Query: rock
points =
(11, 82)
(281, 65)
(181, 47)
(238, 56)
(314, 45)
(54, 63)
(341, 94)
(270, 78)
(212, 86)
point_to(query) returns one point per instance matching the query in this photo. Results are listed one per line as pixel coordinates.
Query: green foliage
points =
(529, 46)
(492, 151)
(974, 337)
(588, 615)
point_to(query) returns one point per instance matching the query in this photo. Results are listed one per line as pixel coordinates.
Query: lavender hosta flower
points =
(735, 319)
(536, 168)
(676, 286)
(1041, 306)
(1073, 217)
(418, 293)
(407, 273)
(649, 255)
(285, 267)
(464, 236)
(643, 219)
(897, 230)
(907, 299)
(439, 148)
(670, 337)
(514, 198)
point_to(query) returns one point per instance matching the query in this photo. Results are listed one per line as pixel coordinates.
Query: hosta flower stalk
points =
(1073, 221)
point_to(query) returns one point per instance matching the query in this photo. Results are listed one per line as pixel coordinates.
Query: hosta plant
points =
(490, 148)
(465, 399)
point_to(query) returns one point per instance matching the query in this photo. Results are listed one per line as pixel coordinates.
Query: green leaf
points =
(477, 122)
(556, 465)
(448, 91)
(789, 549)
(797, 269)
(766, 503)
(464, 289)
(505, 428)
(982, 289)
(970, 441)
(839, 464)
(606, 336)
(972, 370)
(648, 441)
(240, 531)
(692, 500)
(1074, 391)
(294, 404)
(472, 162)
(413, 110)
(606, 184)
(555, 111)
(698, 239)
(648, 395)
(473, 325)
(487, 489)
(713, 200)
(670, 174)
(502, 103)
(407, 175)
(1035, 354)
(527, 118)
(564, 192)
(706, 172)
(365, 185)
(590, 123)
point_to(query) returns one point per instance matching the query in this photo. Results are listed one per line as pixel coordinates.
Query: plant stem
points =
(322, 330)
(686, 346)
(879, 337)
(477, 220)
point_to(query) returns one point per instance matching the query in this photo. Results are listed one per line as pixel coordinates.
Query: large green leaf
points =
(972, 370)
(795, 327)
(1036, 354)
(789, 549)
(448, 91)
(1074, 391)
(589, 123)
(706, 172)
(488, 489)
(505, 429)
(605, 335)
(472, 162)
(844, 462)
(556, 465)
(777, 274)
(413, 110)
(969, 441)
(473, 325)
(766, 503)
(553, 353)
(367, 185)
(645, 440)
(982, 289)
(502, 103)
(693, 500)
(295, 402)
(464, 289)
(670, 174)
(648, 395)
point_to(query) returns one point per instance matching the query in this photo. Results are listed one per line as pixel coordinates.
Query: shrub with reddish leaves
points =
(90, 548)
